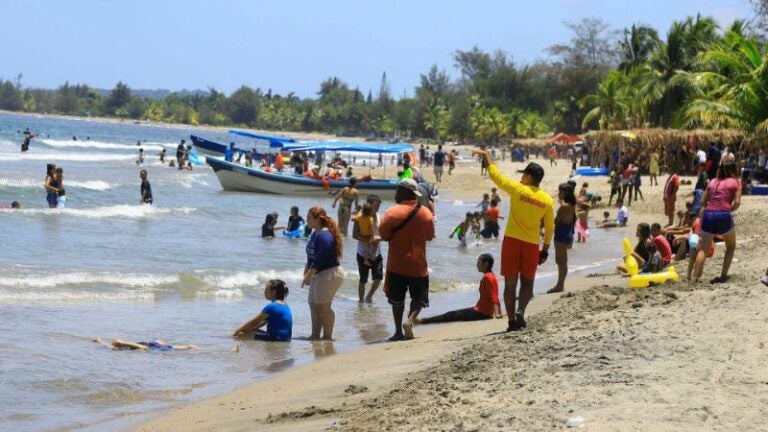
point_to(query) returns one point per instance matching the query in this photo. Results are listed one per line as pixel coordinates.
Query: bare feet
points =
(396, 337)
(236, 347)
(555, 290)
(408, 330)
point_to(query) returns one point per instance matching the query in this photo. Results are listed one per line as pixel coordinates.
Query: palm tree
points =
(610, 103)
(733, 91)
(665, 87)
(489, 125)
(436, 119)
(638, 45)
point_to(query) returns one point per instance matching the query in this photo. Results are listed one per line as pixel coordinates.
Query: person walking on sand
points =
(721, 199)
(375, 267)
(439, 162)
(348, 195)
(322, 272)
(529, 209)
(407, 226)
(565, 223)
(670, 195)
(146, 189)
(653, 168)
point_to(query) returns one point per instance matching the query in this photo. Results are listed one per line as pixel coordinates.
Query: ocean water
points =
(188, 269)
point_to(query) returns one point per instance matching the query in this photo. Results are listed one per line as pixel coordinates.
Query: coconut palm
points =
(665, 85)
(489, 124)
(436, 119)
(610, 102)
(733, 91)
(637, 46)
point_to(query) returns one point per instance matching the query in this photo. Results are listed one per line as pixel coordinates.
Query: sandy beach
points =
(676, 357)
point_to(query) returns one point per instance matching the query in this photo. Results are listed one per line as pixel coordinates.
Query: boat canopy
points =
(290, 144)
(274, 141)
(349, 146)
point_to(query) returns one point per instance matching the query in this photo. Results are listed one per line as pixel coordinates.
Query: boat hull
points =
(234, 177)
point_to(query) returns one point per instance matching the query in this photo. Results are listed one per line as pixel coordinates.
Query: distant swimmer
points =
(50, 188)
(146, 188)
(27, 139)
(14, 205)
(162, 156)
(140, 160)
(180, 155)
(156, 345)
(74, 138)
(61, 194)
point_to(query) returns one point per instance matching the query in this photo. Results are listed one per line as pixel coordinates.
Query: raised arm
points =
(506, 184)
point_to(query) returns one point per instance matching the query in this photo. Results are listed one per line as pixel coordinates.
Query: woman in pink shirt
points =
(722, 197)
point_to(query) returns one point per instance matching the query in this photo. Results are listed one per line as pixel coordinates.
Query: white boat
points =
(235, 177)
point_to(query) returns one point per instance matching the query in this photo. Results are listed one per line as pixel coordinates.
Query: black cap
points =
(535, 171)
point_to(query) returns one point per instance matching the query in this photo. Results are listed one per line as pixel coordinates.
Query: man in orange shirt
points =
(530, 208)
(407, 226)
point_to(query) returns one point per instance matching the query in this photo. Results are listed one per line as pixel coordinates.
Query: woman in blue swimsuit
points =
(565, 221)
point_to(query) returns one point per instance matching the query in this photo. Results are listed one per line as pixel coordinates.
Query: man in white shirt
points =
(621, 218)
(701, 156)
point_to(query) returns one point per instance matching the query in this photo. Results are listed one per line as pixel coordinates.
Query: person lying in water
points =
(276, 315)
(156, 345)
(487, 306)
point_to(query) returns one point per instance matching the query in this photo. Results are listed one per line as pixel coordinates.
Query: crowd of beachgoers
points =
(533, 224)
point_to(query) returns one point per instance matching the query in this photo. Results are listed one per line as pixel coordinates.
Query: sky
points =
(291, 46)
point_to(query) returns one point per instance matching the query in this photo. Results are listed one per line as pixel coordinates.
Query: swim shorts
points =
(518, 256)
(717, 222)
(155, 346)
(397, 285)
(376, 269)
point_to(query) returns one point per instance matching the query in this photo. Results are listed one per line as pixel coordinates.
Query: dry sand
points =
(666, 358)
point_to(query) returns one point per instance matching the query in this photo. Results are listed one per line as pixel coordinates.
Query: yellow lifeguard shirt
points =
(529, 207)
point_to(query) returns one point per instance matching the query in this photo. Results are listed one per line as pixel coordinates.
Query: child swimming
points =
(269, 227)
(276, 315)
(156, 345)
(294, 220)
(463, 228)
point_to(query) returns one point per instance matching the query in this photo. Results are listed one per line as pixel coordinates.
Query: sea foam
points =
(101, 145)
(117, 211)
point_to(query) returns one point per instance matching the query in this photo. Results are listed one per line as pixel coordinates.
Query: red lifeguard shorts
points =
(520, 257)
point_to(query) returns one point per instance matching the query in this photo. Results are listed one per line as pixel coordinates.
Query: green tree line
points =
(697, 75)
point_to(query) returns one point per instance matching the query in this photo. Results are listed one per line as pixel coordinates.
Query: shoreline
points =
(597, 320)
(273, 402)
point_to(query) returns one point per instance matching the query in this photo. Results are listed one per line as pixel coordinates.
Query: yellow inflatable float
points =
(642, 280)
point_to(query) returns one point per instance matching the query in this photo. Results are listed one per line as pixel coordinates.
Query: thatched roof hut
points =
(675, 147)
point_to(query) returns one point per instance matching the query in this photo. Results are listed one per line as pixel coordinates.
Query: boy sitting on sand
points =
(487, 306)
